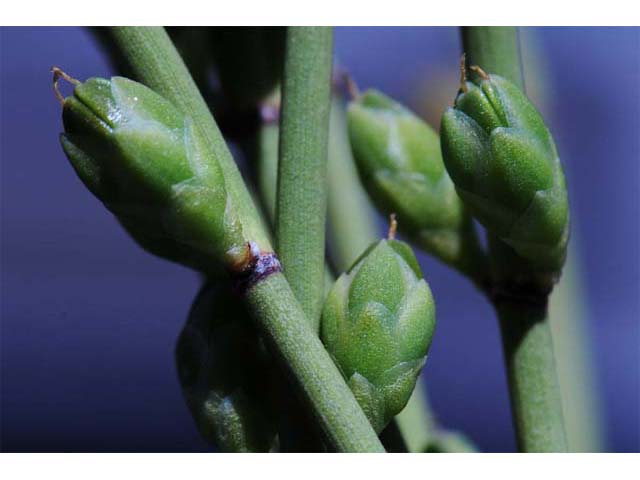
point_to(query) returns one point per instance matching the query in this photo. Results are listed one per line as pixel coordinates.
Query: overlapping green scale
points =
(377, 323)
(144, 160)
(506, 168)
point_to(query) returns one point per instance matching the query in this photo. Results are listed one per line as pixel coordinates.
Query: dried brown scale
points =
(57, 75)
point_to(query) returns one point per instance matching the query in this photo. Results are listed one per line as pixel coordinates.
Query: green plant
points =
(352, 349)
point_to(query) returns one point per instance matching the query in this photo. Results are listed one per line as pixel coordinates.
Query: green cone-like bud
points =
(146, 163)
(224, 372)
(399, 159)
(377, 324)
(504, 163)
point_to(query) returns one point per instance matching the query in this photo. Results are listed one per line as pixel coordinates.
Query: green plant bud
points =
(144, 160)
(224, 371)
(377, 323)
(504, 163)
(399, 160)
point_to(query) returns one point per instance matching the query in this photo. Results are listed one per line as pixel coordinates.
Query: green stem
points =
(155, 61)
(282, 322)
(574, 361)
(495, 49)
(302, 167)
(533, 384)
(351, 220)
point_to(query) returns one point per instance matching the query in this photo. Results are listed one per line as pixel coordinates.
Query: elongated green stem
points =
(535, 395)
(574, 360)
(301, 206)
(351, 219)
(533, 384)
(495, 49)
(281, 319)
(154, 60)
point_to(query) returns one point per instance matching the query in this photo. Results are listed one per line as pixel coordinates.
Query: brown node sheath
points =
(253, 267)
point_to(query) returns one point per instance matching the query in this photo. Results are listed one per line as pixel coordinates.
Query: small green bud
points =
(377, 323)
(504, 163)
(399, 160)
(144, 160)
(224, 371)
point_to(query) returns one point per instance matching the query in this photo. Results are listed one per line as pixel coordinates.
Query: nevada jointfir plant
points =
(318, 344)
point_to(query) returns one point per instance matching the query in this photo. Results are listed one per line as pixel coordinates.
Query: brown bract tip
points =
(393, 227)
(57, 75)
(481, 73)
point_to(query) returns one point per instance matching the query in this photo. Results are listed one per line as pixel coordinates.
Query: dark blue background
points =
(89, 320)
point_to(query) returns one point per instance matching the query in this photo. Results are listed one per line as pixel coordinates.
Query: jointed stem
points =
(154, 61)
(535, 395)
(279, 316)
(302, 167)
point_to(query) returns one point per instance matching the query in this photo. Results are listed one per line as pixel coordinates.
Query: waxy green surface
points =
(144, 160)
(377, 323)
(504, 163)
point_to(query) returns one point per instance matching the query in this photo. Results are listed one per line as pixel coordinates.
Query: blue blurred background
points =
(89, 320)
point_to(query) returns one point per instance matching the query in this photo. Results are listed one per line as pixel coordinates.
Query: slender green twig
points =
(535, 395)
(350, 217)
(496, 50)
(302, 188)
(155, 62)
(533, 383)
(574, 361)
